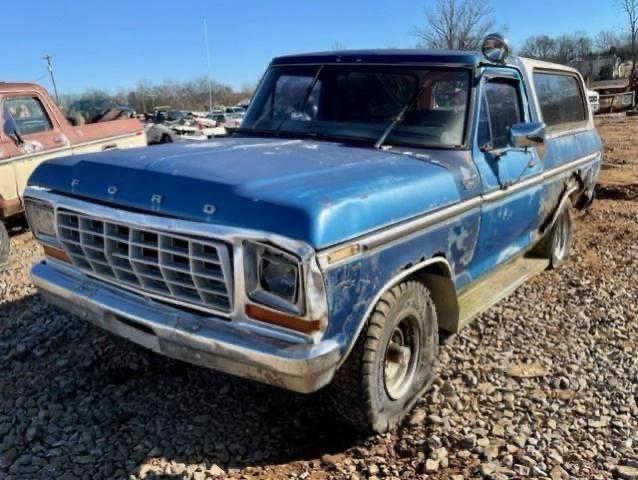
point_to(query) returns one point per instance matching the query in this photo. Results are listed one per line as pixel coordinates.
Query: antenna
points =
(210, 81)
(50, 67)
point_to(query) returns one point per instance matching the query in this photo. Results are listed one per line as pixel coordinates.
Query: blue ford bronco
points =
(370, 200)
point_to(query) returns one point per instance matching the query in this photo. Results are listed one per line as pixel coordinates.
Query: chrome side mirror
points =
(495, 48)
(527, 135)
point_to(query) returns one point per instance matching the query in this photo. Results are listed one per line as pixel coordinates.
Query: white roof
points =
(530, 64)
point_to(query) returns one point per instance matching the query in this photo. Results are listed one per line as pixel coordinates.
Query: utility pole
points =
(50, 67)
(210, 80)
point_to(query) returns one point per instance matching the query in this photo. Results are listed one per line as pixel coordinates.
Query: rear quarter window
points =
(561, 99)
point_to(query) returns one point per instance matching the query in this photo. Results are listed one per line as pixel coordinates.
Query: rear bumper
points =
(210, 342)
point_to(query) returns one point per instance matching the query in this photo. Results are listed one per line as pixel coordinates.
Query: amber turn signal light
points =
(287, 321)
(56, 253)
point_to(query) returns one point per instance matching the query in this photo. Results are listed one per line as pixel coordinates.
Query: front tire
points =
(5, 247)
(392, 363)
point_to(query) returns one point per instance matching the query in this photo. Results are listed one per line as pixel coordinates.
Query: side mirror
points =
(11, 130)
(527, 135)
(495, 48)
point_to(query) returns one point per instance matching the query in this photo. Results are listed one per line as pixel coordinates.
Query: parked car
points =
(237, 112)
(228, 121)
(593, 97)
(97, 110)
(616, 95)
(33, 130)
(379, 198)
(199, 129)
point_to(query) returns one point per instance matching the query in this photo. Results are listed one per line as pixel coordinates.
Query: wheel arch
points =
(573, 195)
(437, 275)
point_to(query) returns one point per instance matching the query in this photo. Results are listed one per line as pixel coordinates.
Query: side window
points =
(26, 115)
(500, 109)
(561, 98)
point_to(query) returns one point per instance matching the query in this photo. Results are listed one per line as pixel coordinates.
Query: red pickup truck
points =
(32, 130)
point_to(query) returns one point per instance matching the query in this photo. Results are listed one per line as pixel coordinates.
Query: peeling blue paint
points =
(326, 193)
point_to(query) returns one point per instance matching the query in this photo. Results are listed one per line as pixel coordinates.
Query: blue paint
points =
(325, 193)
(319, 192)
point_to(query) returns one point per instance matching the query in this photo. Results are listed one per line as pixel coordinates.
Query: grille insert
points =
(174, 267)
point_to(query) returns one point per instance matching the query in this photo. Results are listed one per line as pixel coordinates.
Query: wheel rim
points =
(401, 357)
(562, 232)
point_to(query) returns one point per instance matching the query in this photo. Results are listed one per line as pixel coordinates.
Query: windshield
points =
(176, 115)
(360, 102)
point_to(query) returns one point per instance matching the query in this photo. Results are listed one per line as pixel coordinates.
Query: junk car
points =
(369, 201)
(33, 129)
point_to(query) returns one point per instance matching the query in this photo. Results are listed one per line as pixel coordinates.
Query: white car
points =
(593, 98)
(200, 129)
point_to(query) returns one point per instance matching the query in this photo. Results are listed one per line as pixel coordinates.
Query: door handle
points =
(59, 140)
(109, 146)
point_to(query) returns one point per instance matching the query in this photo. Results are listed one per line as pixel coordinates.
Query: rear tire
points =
(557, 244)
(392, 362)
(5, 247)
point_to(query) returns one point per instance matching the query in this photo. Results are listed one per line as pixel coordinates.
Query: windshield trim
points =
(469, 113)
(376, 64)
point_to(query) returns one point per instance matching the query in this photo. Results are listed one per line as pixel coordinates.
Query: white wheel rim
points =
(401, 358)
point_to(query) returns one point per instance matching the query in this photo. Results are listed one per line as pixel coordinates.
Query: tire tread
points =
(347, 393)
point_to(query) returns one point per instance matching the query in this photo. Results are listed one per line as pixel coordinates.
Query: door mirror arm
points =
(17, 139)
(496, 153)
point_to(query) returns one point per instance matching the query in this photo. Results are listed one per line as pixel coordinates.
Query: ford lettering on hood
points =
(318, 192)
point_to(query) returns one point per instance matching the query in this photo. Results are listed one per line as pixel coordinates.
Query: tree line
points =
(186, 95)
(449, 24)
(576, 47)
(462, 25)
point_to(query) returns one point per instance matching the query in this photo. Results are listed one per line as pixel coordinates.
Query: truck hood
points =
(318, 192)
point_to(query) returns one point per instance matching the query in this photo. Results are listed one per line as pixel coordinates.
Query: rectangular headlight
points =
(41, 218)
(273, 278)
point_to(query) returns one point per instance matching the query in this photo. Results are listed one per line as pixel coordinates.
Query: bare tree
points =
(583, 46)
(541, 47)
(456, 24)
(607, 40)
(630, 8)
(563, 49)
(566, 49)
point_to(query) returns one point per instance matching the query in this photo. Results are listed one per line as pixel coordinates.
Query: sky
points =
(117, 43)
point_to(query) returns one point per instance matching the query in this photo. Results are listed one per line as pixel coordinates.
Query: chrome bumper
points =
(214, 343)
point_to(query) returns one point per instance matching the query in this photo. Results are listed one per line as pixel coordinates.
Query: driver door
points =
(30, 136)
(510, 214)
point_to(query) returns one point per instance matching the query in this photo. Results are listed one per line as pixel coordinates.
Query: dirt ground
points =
(543, 385)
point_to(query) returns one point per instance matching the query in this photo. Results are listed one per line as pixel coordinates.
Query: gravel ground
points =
(544, 385)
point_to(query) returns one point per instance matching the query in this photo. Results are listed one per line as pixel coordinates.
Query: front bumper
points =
(210, 342)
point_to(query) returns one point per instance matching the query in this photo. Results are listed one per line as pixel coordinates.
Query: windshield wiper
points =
(306, 97)
(399, 118)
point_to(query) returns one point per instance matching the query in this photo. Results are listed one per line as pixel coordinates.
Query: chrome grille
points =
(175, 267)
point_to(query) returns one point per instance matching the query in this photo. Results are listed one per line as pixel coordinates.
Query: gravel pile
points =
(543, 385)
